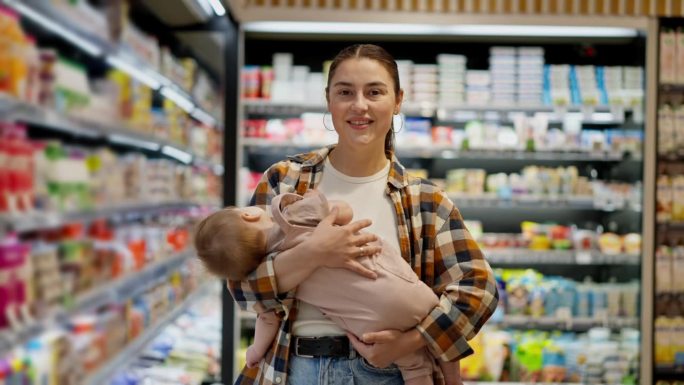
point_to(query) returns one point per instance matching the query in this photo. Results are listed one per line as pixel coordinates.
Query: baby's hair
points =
(227, 247)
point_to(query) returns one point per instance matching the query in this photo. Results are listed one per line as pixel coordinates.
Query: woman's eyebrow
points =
(342, 84)
(371, 84)
(376, 84)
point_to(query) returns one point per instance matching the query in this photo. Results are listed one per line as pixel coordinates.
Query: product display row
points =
(48, 176)
(41, 76)
(525, 133)
(70, 266)
(516, 76)
(184, 352)
(595, 357)
(104, 32)
(88, 340)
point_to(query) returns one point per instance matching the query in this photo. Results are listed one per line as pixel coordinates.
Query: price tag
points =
(583, 257)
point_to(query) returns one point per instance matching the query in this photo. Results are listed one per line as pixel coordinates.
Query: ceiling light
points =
(177, 154)
(218, 8)
(436, 29)
(206, 7)
(181, 100)
(203, 117)
(139, 74)
(129, 141)
(69, 35)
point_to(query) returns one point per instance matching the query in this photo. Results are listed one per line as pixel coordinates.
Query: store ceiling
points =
(192, 23)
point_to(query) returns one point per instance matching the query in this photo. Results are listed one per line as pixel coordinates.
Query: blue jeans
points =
(339, 371)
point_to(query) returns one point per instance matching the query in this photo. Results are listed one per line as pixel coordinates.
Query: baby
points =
(232, 242)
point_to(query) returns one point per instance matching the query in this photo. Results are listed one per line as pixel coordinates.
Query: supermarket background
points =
(556, 126)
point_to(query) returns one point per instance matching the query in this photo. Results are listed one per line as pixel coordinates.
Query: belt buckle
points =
(297, 350)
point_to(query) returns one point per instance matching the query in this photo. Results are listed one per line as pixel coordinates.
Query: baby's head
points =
(231, 242)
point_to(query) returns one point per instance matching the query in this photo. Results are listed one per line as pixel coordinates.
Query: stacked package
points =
(530, 75)
(405, 68)
(503, 63)
(452, 69)
(425, 83)
(557, 85)
(478, 87)
(295, 83)
(587, 87)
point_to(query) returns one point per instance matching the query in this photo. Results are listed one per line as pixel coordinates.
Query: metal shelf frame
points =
(523, 257)
(119, 134)
(34, 221)
(447, 152)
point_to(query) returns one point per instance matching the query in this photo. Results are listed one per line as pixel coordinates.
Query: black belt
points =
(323, 347)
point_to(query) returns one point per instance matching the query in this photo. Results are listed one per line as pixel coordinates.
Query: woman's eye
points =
(375, 92)
(344, 92)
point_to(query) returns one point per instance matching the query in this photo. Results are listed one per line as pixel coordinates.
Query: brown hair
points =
(227, 247)
(372, 52)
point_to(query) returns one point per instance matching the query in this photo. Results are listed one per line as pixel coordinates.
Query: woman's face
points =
(362, 102)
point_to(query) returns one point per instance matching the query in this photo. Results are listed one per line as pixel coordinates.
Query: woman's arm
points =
(466, 282)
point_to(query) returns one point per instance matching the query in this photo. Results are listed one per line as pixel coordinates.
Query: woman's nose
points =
(360, 103)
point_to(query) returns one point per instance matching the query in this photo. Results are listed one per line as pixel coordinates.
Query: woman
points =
(363, 94)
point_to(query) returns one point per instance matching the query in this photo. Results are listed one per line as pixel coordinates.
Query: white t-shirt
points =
(367, 197)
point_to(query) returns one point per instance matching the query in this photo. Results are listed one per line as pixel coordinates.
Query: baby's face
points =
(257, 217)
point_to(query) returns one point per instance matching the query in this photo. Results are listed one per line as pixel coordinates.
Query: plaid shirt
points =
(432, 238)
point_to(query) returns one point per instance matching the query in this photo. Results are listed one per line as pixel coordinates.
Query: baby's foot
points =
(253, 357)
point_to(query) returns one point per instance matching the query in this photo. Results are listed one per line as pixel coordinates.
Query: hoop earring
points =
(402, 125)
(324, 125)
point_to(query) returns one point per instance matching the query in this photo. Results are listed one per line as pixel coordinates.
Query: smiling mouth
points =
(359, 123)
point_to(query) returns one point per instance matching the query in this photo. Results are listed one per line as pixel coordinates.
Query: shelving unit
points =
(133, 234)
(489, 208)
(667, 314)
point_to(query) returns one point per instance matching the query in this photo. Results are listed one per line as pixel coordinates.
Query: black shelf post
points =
(230, 177)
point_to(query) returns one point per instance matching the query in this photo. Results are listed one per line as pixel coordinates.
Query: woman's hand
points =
(341, 246)
(328, 245)
(382, 348)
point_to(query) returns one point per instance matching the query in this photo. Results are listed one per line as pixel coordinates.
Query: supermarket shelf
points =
(264, 106)
(513, 383)
(557, 257)
(135, 347)
(131, 285)
(445, 152)
(670, 372)
(114, 291)
(535, 203)
(678, 226)
(117, 134)
(26, 222)
(45, 14)
(575, 324)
